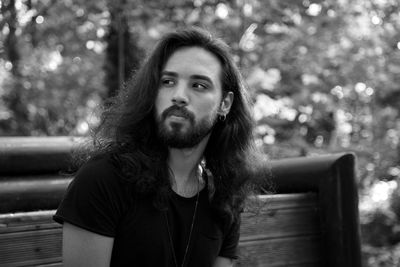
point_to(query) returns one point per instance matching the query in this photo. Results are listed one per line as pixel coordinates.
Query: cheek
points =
(214, 102)
(209, 108)
(160, 102)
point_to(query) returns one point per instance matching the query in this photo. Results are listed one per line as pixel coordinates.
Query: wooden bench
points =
(312, 220)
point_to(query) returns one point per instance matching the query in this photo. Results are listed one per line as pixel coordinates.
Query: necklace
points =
(190, 232)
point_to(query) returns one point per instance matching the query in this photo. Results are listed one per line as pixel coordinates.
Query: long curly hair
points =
(128, 132)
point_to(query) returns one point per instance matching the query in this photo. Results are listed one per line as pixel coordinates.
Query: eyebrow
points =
(194, 76)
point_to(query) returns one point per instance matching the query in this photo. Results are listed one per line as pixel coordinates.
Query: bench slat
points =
(31, 247)
(285, 233)
(27, 193)
(292, 251)
(282, 216)
(28, 155)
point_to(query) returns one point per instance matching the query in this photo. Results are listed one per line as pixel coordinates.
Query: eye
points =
(200, 86)
(166, 81)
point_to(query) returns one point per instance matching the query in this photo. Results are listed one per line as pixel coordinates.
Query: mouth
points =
(177, 114)
(177, 117)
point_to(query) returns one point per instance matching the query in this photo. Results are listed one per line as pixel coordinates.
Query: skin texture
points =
(191, 80)
(85, 248)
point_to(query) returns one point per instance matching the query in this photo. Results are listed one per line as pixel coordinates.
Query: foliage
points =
(56, 82)
(323, 74)
(382, 257)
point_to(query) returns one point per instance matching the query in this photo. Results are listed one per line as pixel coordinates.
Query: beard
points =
(177, 134)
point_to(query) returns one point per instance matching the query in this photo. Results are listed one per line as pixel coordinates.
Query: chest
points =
(145, 238)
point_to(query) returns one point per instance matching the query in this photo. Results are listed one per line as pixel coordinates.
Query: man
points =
(172, 163)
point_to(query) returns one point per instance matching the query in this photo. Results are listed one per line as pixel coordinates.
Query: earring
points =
(222, 117)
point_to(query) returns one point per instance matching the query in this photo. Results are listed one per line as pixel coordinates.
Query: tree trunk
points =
(122, 53)
(11, 46)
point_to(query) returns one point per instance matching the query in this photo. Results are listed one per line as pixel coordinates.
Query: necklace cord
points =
(190, 232)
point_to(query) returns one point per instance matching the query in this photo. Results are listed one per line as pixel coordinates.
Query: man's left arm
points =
(223, 262)
(229, 250)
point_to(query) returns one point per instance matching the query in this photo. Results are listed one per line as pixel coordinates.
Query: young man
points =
(172, 164)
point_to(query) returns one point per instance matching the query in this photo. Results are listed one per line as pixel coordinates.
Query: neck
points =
(184, 165)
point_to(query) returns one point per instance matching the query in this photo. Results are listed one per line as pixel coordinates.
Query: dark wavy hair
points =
(128, 132)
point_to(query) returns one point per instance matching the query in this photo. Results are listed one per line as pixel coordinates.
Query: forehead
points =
(194, 61)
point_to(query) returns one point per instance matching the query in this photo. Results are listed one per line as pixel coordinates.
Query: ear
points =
(226, 104)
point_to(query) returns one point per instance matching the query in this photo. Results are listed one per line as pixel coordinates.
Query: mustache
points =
(177, 111)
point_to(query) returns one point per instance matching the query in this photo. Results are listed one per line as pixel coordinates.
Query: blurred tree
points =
(11, 47)
(58, 70)
(12, 54)
(122, 53)
(323, 74)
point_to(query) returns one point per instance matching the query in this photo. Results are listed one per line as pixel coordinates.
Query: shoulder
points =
(98, 171)
(99, 164)
(96, 198)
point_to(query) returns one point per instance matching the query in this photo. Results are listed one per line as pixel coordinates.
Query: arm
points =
(85, 248)
(223, 262)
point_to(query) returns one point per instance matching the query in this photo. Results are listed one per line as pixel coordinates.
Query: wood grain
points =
(285, 232)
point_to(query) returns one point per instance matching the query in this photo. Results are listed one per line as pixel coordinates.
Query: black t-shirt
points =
(99, 201)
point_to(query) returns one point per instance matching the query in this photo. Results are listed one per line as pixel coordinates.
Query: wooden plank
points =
(291, 251)
(281, 224)
(29, 227)
(30, 239)
(53, 262)
(32, 193)
(56, 264)
(283, 216)
(28, 155)
(27, 221)
(31, 247)
(285, 232)
(284, 201)
(339, 215)
(11, 143)
(16, 218)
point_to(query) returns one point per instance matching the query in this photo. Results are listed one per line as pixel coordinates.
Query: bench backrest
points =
(312, 220)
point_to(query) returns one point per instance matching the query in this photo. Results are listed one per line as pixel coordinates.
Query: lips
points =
(177, 112)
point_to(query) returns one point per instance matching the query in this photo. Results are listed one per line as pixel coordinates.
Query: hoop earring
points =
(222, 117)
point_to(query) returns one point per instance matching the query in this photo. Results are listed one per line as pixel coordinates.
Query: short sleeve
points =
(229, 248)
(95, 199)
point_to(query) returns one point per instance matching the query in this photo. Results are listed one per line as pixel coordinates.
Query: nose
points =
(180, 97)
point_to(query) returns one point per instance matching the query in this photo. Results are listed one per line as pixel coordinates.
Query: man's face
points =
(189, 97)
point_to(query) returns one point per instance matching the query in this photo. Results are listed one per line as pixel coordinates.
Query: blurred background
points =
(324, 77)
